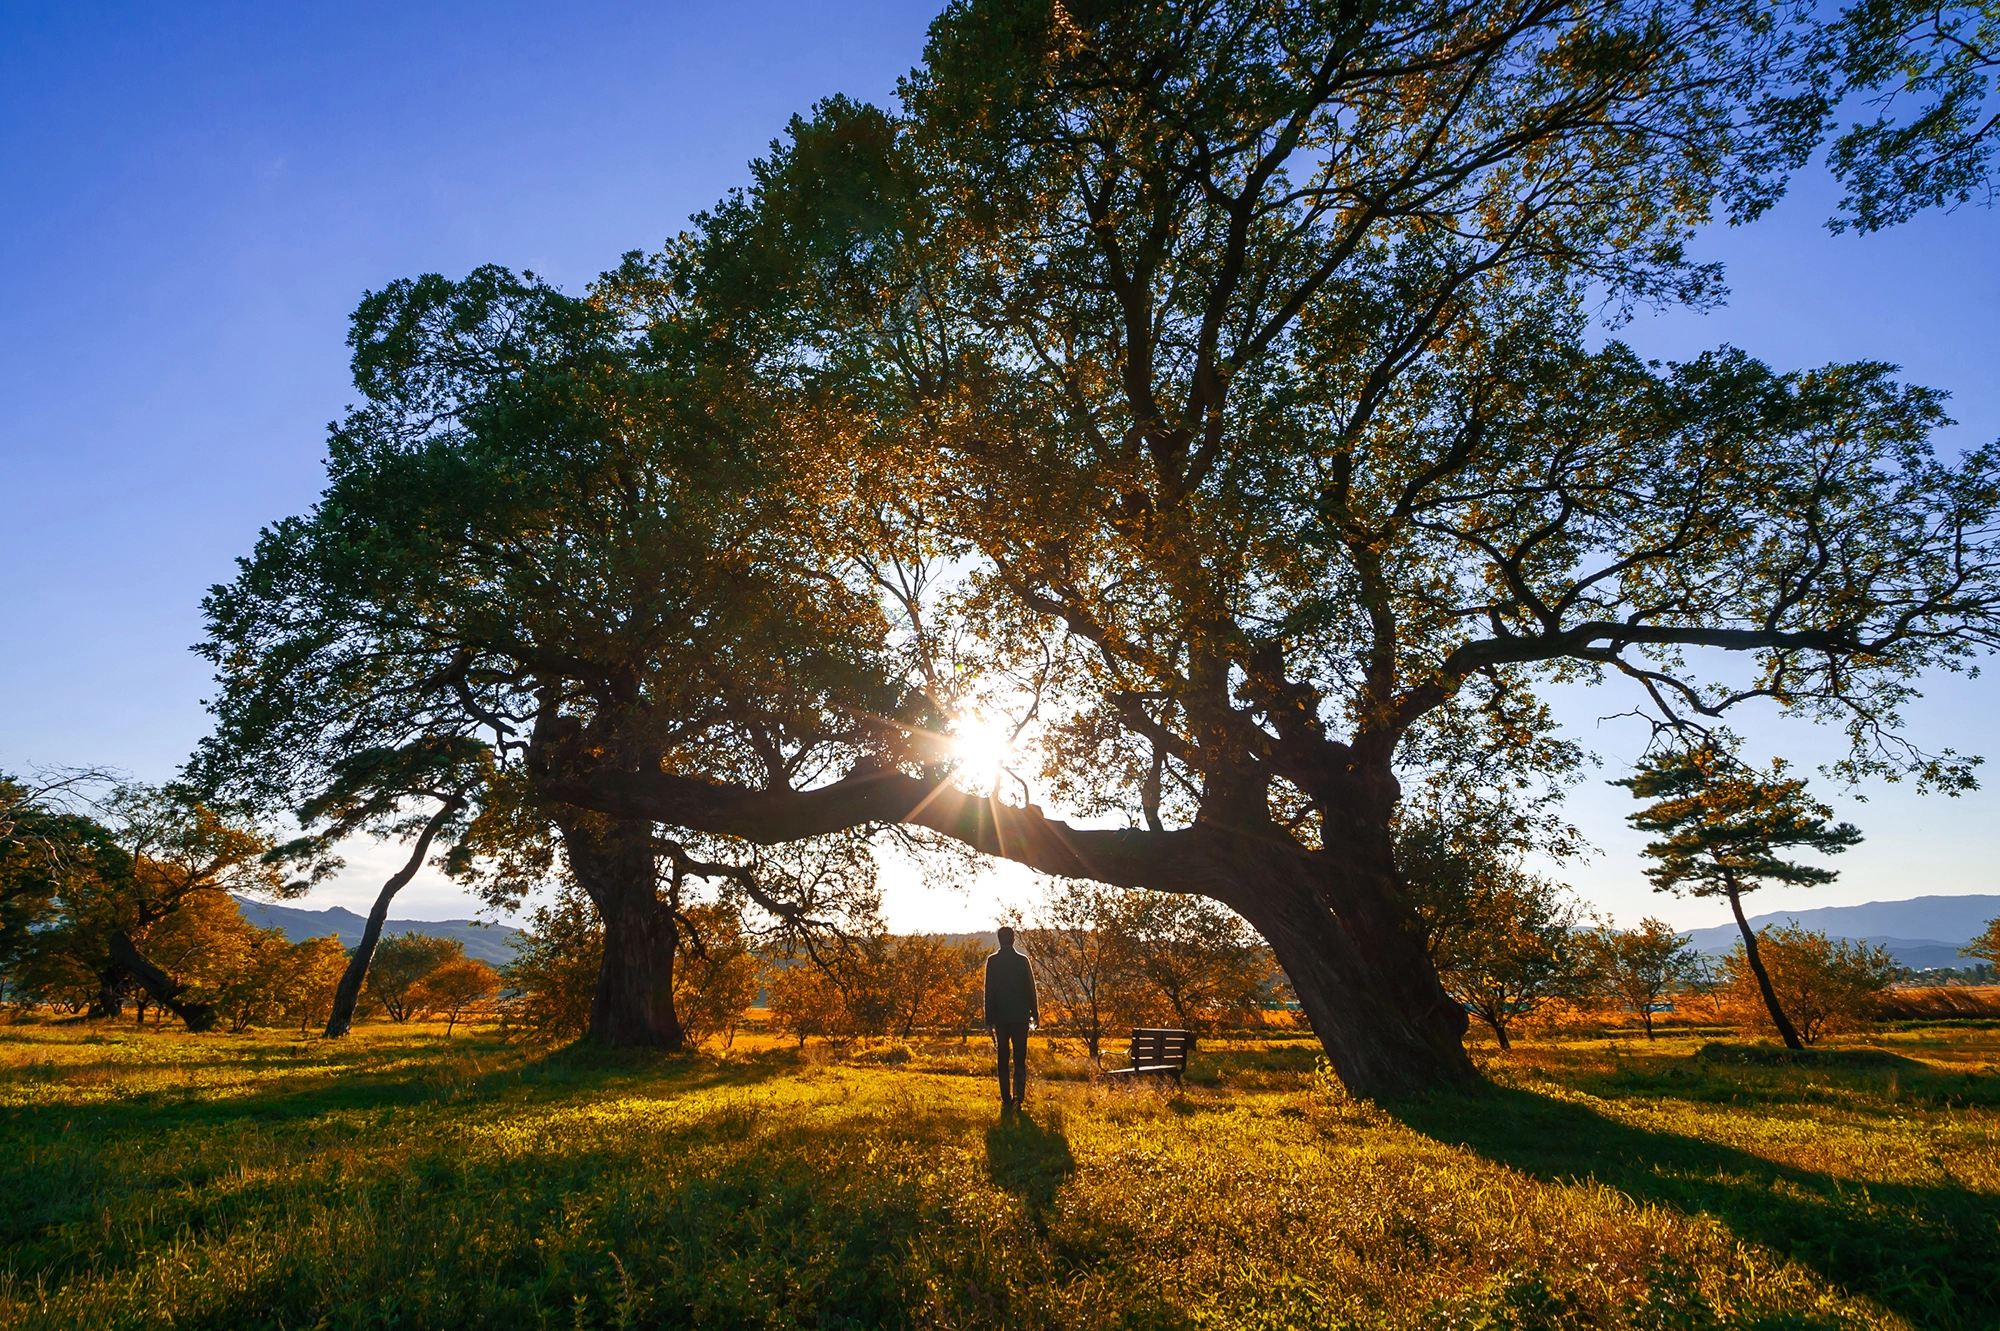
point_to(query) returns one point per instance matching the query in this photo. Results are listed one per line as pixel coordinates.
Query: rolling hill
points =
(1921, 933)
(489, 942)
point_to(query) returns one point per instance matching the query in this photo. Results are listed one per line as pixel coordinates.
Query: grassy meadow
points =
(400, 1179)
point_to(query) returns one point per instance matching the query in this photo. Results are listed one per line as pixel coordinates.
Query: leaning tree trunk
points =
(348, 994)
(1778, 1018)
(110, 1000)
(1350, 946)
(162, 986)
(614, 862)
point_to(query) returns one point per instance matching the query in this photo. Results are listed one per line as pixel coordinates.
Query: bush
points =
(1822, 985)
(554, 971)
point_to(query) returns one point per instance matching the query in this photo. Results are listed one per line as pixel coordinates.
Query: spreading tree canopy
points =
(1231, 361)
(555, 521)
(1245, 348)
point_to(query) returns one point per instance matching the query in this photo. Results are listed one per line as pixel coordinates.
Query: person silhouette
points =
(1010, 1014)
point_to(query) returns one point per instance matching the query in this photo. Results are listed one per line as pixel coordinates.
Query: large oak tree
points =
(1244, 343)
(1241, 345)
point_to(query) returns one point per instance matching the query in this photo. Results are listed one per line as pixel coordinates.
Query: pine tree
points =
(1722, 827)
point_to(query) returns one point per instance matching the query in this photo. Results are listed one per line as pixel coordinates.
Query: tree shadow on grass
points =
(350, 1085)
(60, 1162)
(710, 1221)
(1929, 1253)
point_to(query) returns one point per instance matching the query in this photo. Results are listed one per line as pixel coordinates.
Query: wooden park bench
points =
(1157, 1053)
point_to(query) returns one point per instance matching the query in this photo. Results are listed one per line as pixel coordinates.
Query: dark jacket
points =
(1010, 989)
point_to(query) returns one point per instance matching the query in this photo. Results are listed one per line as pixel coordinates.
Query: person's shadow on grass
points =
(1928, 1252)
(1029, 1160)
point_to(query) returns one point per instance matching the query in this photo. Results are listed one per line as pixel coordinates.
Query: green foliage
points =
(553, 976)
(1723, 826)
(1823, 985)
(1928, 68)
(687, 609)
(402, 963)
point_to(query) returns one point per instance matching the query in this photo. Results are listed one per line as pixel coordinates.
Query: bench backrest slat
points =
(1159, 1047)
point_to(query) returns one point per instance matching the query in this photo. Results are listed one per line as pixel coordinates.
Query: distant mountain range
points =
(492, 943)
(1922, 933)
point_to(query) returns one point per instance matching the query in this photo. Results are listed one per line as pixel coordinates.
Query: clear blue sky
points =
(194, 200)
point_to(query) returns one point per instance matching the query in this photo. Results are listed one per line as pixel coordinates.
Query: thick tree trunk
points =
(110, 1000)
(348, 994)
(1351, 950)
(614, 861)
(165, 992)
(1778, 1017)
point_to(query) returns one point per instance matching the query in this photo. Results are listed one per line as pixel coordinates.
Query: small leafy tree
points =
(1509, 949)
(1823, 984)
(312, 982)
(1723, 828)
(454, 987)
(221, 959)
(1192, 957)
(1079, 962)
(928, 981)
(1639, 967)
(806, 1001)
(402, 962)
(1503, 941)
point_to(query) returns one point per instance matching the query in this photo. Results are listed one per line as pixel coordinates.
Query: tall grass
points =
(400, 1180)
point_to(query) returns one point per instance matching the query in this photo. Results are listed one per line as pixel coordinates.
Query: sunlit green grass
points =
(398, 1179)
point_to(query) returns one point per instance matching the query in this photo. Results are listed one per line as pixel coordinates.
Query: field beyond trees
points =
(397, 1178)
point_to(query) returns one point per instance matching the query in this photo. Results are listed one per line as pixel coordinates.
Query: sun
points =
(982, 745)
